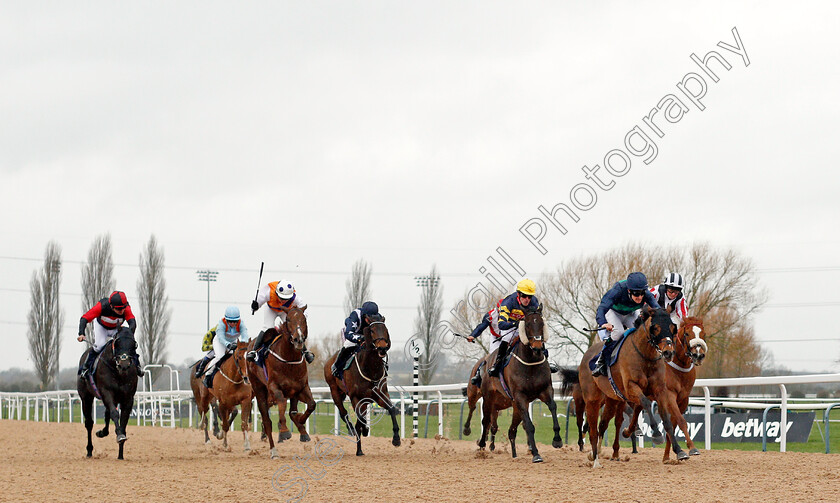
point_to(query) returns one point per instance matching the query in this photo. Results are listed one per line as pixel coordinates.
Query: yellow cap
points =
(526, 286)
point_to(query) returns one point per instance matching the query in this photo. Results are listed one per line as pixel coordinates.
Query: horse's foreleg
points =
(619, 418)
(548, 398)
(305, 396)
(261, 393)
(102, 433)
(225, 412)
(125, 414)
(494, 428)
(607, 416)
(592, 410)
(487, 408)
(580, 415)
(283, 429)
(514, 425)
(647, 405)
(630, 431)
(471, 401)
(245, 403)
(683, 406)
(214, 404)
(380, 399)
(87, 410)
(360, 432)
(669, 412)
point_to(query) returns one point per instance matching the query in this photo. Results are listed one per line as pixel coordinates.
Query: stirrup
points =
(600, 370)
(476, 380)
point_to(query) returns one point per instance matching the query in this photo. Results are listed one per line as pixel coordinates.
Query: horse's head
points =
(376, 334)
(296, 326)
(692, 336)
(533, 333)
(660, 330)
(124, 346)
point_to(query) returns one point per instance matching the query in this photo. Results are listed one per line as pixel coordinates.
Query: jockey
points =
(503, 321)
(230, 330)
(352, 332)
(276, 294)
(670, 294)
(618, 311)
(107, 316)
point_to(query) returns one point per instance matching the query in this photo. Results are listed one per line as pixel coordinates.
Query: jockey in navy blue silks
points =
(618, 311)
(354, 325)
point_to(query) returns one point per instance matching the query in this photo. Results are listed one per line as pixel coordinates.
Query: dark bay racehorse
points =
(527, 378)
(284, 376)
(231, 388)
(689, 352)
(365, 382)
(639, 375)
(115, 383)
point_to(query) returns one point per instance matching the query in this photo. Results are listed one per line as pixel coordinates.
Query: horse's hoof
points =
(557, 443)
(89, 454)
(304, 438)
(682, 455)
(360, 453)
(658, 440)
(102, 433)
(467, 431)
(284, 435)
(207, 442)
(121, 438)
(492, 447)
(274, 454)
(694, 452)
(247, 448)
(396, 442)
(220, 436)
(537, 459)
(590, 457)
(596, 464)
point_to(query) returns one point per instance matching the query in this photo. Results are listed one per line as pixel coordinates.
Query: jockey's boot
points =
(601, 365)
(476, 379)
(308, 355)
(199, 369)
(500, 357)
(551, 365)
(340, 361)
(140, 372)
(254, 355)
(208, 379)
(84, 370)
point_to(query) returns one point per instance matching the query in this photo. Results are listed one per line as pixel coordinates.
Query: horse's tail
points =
(570, 378)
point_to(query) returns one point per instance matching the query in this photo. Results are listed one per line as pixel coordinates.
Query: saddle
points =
(615, 351)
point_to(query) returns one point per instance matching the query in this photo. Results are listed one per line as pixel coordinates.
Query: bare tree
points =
(715, 279)
(323, 348)
(357, 286)
(97, 277)
(154, 304)
(46, 317)
(426, 324)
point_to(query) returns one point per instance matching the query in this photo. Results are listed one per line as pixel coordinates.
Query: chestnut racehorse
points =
(231, 387)
(689, 351)
(365, 382)
(639, 376)
(204, 400)
(283, 377)
(528, 377)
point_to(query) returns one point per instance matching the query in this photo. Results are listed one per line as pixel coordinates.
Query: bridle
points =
(654, 342)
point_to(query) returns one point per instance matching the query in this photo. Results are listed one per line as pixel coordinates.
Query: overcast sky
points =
(311, 134)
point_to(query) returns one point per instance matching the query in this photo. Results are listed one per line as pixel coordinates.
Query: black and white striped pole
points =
(416, 349)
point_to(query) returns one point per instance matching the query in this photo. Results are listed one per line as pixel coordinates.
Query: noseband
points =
(374, 341)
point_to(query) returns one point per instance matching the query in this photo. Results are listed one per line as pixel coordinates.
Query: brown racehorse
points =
(473, 393)
(528, 378)
(204, 400)
(231, 388)
(365, 382)
(689, 351)
(283, 377)
(639, 376)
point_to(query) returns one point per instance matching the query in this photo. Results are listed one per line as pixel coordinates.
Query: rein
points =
(280, 358)
(238, 369)
(653, 344)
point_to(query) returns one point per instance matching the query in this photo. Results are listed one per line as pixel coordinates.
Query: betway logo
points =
(752, 428)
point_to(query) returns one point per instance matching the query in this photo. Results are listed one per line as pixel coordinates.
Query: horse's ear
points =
(304, 308)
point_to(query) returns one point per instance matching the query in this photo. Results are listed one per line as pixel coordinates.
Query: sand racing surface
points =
(46, 462)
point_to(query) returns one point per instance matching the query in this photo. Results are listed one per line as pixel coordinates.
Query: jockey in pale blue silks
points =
(230, 330)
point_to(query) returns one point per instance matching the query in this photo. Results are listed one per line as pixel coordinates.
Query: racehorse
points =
(204, 400)
(283, 376)
(679, 378)
(639, 376)
(114, 381)
(365, 382)
(526, 378)
(231, 387)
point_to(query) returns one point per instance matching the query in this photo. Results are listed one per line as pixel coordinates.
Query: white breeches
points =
(102, 335)
(219, 349)
(507, 336)
(619, 322)
(269, 315)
